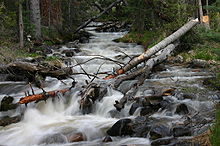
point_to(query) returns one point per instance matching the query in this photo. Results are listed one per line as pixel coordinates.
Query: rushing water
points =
(63, 116)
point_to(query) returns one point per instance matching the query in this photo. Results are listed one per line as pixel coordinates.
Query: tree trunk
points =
(200, 11)
(146, 55)
(21, 26)
(36, 18)
(148, 66)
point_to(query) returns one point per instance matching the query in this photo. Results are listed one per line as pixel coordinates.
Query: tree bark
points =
(146, 55)
(36, 18)
(95, 17)
(148, 66)
(39, 97)
(200, 11)
(21, 26)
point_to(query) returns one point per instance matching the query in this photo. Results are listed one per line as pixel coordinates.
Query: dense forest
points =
(167, 38)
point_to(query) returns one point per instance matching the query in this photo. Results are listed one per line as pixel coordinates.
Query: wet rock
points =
(114, 113)
(133, 108)
(69, 53)
(6, 104)
(74, 44)
(107, 139)
(179, 131)
(182, 109)
(15, 78)
(76, 137)
(189, 96)
(159, 131)
(125, 86)
(162, 141)
(54, 138)
(198, 63)
(121, 128)
(9, 120)
(47, 51)
(178, 59)
(147, 111)
(84, 40)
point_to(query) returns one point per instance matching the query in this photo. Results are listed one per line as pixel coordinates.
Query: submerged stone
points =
(54, 138)
(9, 120)
(107, 139)
(76, 137)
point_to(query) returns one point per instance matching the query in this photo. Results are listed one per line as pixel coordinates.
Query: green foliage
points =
(215, 130)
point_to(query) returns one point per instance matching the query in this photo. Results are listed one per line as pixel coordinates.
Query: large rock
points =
(121, 128)
(6, 104)
(69, 53)
(54, 138)
(9, 120)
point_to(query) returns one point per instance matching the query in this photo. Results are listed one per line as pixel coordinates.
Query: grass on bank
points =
(146, 38)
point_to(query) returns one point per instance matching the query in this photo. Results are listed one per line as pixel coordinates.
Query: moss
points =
(215, 130)
(52, 58)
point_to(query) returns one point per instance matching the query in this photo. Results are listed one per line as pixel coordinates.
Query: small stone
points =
(75, 137)
(107, 139)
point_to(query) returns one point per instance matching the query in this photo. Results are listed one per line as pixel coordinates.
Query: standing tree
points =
(35, 18)
(21, 25)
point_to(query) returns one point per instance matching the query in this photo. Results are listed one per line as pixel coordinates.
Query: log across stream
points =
(170, 106)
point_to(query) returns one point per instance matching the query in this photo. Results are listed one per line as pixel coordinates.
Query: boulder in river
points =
(6, 104)
(54, 138)
(121, 128)
(9, 120)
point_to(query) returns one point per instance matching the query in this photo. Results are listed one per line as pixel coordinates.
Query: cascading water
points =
(61, 116)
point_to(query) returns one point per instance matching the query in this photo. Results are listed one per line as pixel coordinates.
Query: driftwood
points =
(148, 66)
(90, 94)
(113, 26)
(161, 45)
(95, 17)
(38, 97)
(30, 70)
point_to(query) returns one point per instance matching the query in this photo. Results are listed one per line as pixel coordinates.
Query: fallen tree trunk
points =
(42, 96)
(148, 66)
(30, 70)
(146, 55)
(95, 17)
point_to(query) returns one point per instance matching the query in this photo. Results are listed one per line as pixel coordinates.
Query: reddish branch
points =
(42, 96)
